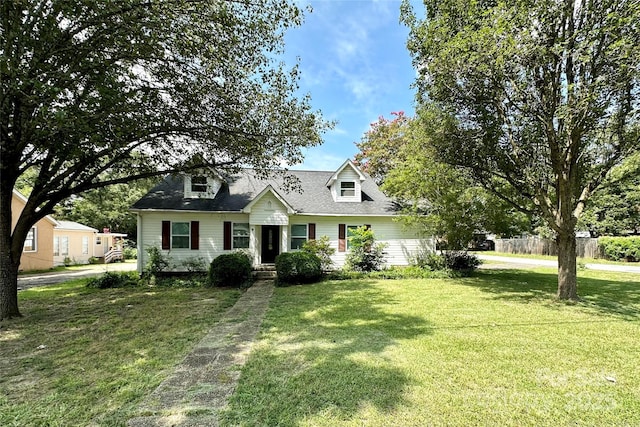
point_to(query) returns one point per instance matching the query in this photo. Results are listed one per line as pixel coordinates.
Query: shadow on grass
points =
(323, 354)
(617, 296)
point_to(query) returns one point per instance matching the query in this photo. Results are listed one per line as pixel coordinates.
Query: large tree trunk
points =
(8, 282)
(9, 258)
(567, 271)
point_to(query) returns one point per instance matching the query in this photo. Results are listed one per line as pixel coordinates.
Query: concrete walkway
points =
(206, 378)
(515, 262)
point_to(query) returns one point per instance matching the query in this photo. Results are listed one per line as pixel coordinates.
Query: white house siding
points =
(269, 211)
(211, 242)
(401, 243)
(347, 174)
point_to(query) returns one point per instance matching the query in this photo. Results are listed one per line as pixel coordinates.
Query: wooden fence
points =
(585, 247)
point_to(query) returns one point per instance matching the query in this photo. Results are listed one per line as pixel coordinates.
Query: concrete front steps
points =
(265, 272)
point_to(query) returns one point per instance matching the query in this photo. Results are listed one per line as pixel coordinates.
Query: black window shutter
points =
(227, 236)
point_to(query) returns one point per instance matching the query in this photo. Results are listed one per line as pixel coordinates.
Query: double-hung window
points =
(347, 189)
(199, 184)
(180, 235)
(298, 235)
(85, 245)
(64, 245)
(240, 235)
(30, 241)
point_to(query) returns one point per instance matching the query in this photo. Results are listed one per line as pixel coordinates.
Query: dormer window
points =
(199, 184)
(347, 189)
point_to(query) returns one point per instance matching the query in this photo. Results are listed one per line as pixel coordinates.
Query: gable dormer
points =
(202, 185)
(346, 183)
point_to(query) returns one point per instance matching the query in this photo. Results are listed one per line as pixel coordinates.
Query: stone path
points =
(206, 378)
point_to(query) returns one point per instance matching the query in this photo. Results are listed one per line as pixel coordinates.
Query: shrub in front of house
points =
(113, 280)
(364, 253)
(298, 267)
(461, 261)
(233, 269)
(157, 262)
(322, 249)
(429, 261)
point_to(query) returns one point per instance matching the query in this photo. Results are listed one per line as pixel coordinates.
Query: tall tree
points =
(138, 88)
(538, 99)
(439, 199)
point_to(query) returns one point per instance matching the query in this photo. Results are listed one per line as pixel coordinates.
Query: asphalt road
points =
(27, 281)
(513, 262)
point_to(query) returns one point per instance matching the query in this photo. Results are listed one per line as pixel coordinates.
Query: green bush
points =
(130, 253)
(429, 261)
(233, 269)
(298, 267)
(364, 254)
(113, 280)
(620, 248)
(157, 262)
(322, 249)
(461, 261)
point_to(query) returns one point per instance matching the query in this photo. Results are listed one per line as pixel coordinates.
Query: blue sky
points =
(355, 65)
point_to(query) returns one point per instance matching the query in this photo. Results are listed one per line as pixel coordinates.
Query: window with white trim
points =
(199, 184)
(56, 246)
(298, 235)
(347, 189)
(85, 245)
(64, 245)
(180, 235)
(30, 241)
(240, 235)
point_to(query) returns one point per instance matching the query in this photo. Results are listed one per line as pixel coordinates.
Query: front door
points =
(270, 243)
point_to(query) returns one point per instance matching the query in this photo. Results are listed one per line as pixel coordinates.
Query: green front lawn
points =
(87, 357)
(494, 349)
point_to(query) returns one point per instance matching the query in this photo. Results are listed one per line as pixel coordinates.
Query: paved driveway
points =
(31, 280)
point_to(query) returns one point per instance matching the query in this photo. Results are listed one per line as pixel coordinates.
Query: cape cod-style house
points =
(204, 215)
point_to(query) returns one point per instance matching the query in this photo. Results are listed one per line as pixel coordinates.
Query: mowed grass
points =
(87, 357)
(493, 349)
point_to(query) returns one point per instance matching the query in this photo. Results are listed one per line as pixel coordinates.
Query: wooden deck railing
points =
(113, 255)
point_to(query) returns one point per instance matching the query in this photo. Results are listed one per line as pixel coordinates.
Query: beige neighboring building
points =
(37, 253)
(73, 242)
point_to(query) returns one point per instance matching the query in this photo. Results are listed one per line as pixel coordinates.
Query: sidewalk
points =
(202, 383)
(514, 262)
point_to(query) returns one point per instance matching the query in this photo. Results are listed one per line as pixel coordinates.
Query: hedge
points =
(620, 248)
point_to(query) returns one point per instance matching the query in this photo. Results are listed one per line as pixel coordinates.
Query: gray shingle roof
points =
(240, 189)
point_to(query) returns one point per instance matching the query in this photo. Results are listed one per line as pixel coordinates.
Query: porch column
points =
(253, 244)
(284, 243)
